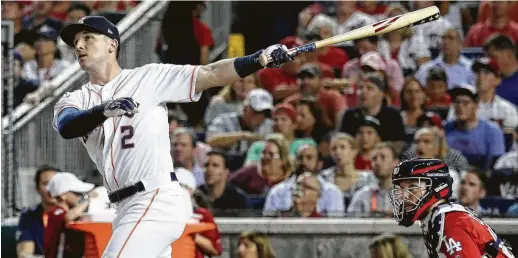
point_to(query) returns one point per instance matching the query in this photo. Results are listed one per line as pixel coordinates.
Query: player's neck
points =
(102, 76)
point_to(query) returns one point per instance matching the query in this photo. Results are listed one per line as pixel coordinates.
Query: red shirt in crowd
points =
(486, 8)
(271, 78)
(445, 101)
(202, 33)
(330, 101)
(213, 234)
(249, 180)
(480, 32)
(362, 164)
(335, 58)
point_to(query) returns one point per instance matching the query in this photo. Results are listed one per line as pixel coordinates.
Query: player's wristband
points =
(247, 65)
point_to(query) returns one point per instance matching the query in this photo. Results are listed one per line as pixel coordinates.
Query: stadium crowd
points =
(320, 136)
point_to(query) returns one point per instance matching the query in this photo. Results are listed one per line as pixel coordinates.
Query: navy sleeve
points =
(23, 232)
(72, 122)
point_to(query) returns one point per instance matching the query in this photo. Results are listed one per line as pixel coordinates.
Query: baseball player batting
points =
(120, 116)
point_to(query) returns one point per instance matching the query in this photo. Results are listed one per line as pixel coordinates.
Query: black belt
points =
(128, 191)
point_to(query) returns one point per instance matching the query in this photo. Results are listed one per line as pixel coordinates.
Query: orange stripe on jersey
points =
(111, 153)
(192, 83)
(140, 219)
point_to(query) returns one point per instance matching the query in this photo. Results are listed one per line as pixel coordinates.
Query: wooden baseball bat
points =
(390, 24)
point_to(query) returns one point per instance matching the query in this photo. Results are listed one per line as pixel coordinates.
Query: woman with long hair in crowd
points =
(254, 245)
(388, 246)
(230, 98)
(413, 106)
(343, 151)
(275, 165)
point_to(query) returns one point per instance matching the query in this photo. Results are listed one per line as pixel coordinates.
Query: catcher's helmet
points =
(410, 203)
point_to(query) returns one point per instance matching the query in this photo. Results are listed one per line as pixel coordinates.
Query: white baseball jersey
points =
(128, 149)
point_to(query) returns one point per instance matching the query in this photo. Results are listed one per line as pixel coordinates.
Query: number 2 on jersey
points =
(127, 132)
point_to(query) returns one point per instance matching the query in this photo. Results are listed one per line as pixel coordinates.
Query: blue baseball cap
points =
(47, 32)
(97, 24)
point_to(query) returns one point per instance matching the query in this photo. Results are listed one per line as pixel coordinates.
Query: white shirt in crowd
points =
(357, 20)
(432, 32)
(509, 161)
(31, 72)
(68, 53)
(500, 110)
(410, 50)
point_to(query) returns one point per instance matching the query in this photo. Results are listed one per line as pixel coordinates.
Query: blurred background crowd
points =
(319, 137)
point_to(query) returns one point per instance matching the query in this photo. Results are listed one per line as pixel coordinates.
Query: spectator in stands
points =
(110, 10)
(280, 197)
(370, 100)
(453, 158)
(405, 46)
(343, 174)
(312, 57)
(458, 14)
(310, 121)
(73, 15)
(413, 107)
(513, 210)
(504, 179)
(183, 148)
(386, 64)
(41, 17)
(349, 18)
(472, 190)
(230, 98)
(430, 143)
(38, 73)
(282, 82)
(456, 66)
(216, 194)
(175, 120)
(285, 123)
(438, 98)
(208, 243)
(498, 23)
(388, 246)
(485, 10)
(374, 198)
(503, 50)
(375, 9)
(431, 32)
(202, 32)
(235, 131)
(33, 221)
(491, 107)
(306, 194)
(331, 102)
(13, 11)
(59, 10)
(75, 199)
(482, 142)
(254, 245)
(367, 137)
(275, 166)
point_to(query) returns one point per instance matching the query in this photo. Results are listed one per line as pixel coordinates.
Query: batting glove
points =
(120, 106)
(277, 55)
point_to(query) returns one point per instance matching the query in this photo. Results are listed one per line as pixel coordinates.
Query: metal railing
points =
(35, 140)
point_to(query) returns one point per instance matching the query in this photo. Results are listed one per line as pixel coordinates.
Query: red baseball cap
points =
(287, 109)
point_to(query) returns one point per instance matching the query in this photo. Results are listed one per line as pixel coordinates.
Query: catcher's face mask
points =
(407, 197)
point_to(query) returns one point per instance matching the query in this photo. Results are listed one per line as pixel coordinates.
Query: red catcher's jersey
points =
(456, 232)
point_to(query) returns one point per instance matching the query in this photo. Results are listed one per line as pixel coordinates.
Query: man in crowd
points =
(436, 90)
(235, 132)
(503, 50)
(368, 137)
(482, 142)
(371, 102)
(498, 23)
(33, 221)
(305, 197)
(456, 66)
(374, 198)
(280, 197)
(216, 194)
(183, 148)
(472, 190)
(41, 17)
(491, 106)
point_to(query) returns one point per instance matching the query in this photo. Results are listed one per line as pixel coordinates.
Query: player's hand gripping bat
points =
(390, 24)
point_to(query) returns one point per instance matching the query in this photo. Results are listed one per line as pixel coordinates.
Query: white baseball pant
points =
(148, 223)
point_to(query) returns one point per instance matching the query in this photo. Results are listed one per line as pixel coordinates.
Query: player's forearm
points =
(73, 123)
(227, 71)
(205, 245)
(76, 212)
(225, 140)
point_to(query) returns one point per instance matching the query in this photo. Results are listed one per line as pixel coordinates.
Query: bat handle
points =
(264, 59)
